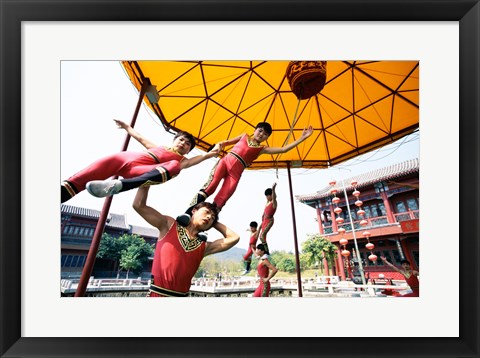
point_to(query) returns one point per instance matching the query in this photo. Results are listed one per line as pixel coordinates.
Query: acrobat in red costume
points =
(268, 213)
(412, 281)
(247, 258)
(263, 289)
(175, 262)
(154, 166)
(265, 270)
(230, 168)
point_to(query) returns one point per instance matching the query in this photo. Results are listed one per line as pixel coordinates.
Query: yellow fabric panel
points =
(364, 105)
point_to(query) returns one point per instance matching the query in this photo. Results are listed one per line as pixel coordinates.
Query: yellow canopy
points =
(364, 105)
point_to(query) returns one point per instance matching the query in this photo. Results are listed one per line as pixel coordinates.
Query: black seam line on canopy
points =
(390, 89)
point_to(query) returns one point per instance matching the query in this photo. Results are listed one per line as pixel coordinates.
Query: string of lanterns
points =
(339, 220)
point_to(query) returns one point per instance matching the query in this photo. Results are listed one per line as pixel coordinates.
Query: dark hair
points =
(254, 224)
(262, 247)
(269, 191)
(404, 262)
(189, 137)
(265, 126)
(210, 206)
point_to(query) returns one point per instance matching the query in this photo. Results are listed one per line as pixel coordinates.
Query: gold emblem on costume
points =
(187, 243)
(251, 143)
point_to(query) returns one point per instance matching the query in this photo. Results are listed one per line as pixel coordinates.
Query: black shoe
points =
(202, 236)
(183, 219)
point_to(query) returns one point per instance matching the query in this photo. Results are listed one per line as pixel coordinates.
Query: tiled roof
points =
(113, 220)
(367, 179)
(145, 231)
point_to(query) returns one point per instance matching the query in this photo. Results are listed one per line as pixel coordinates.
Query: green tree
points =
(128, 251)
(316, 248)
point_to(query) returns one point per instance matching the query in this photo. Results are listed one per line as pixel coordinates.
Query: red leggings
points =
(125, 164)
(229, 169)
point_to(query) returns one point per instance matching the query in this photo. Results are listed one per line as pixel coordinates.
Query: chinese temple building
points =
(383, 208)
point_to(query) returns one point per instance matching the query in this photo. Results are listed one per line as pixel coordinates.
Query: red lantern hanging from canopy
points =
(370, 246)
(372, 257)
(306, 78)
(343, 242)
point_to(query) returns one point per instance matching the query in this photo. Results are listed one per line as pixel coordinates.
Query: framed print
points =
(208, 329)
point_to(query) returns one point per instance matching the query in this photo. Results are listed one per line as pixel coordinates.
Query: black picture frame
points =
(13, 12)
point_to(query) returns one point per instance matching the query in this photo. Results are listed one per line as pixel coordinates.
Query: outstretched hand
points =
(307, 132)
(121, 124)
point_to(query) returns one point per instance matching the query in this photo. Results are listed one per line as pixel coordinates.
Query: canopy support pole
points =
(297, 257)
(92, 252)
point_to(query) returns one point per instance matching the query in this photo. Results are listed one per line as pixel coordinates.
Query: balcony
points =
(375, 222)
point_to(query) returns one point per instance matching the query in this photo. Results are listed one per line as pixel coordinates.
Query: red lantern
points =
(341, 230)
(339, 220)
(364, 222)
(370, 246)
(336, 200)
(334, 190)
(345, 253)
(343, 241)
(354, 183)
(337, 210)
(332, 182)
(361, 212)
(306, 78)
(366, 234)
(359, 203)
(356, 193)
(372, 257)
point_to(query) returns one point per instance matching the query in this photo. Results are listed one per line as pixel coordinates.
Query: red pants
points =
(125, 164)
(263, 290)
(229, 169)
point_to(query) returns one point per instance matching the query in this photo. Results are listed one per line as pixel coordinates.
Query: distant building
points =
(77, 228)
(390, 199)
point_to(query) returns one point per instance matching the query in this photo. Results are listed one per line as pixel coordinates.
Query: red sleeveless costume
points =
(267, 220)
(412, 281)
(176, 259)
(230, 169)
(253, 241)
(263, 289)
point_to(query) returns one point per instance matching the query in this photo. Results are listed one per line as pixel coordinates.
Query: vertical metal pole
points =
(297, 257)
(360, 265)
(92, 252)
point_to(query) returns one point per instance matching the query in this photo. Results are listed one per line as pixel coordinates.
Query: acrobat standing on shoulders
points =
(156, 165)
(268, 212)
(247, 258)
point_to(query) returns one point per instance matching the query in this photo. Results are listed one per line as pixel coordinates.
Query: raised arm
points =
(391, 265)
(134, 134)
(274, 195)
(307, 132)
(230, 239)
(227, 142)
(152, 216)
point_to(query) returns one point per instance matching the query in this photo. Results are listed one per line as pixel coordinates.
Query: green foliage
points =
(130, 252)
(316, 248)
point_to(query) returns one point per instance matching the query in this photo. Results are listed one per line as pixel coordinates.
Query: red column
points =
(388, 207)
(320, 221)
(408, 257)
(341, 271)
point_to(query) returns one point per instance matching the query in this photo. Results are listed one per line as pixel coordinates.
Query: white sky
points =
(95, 92)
